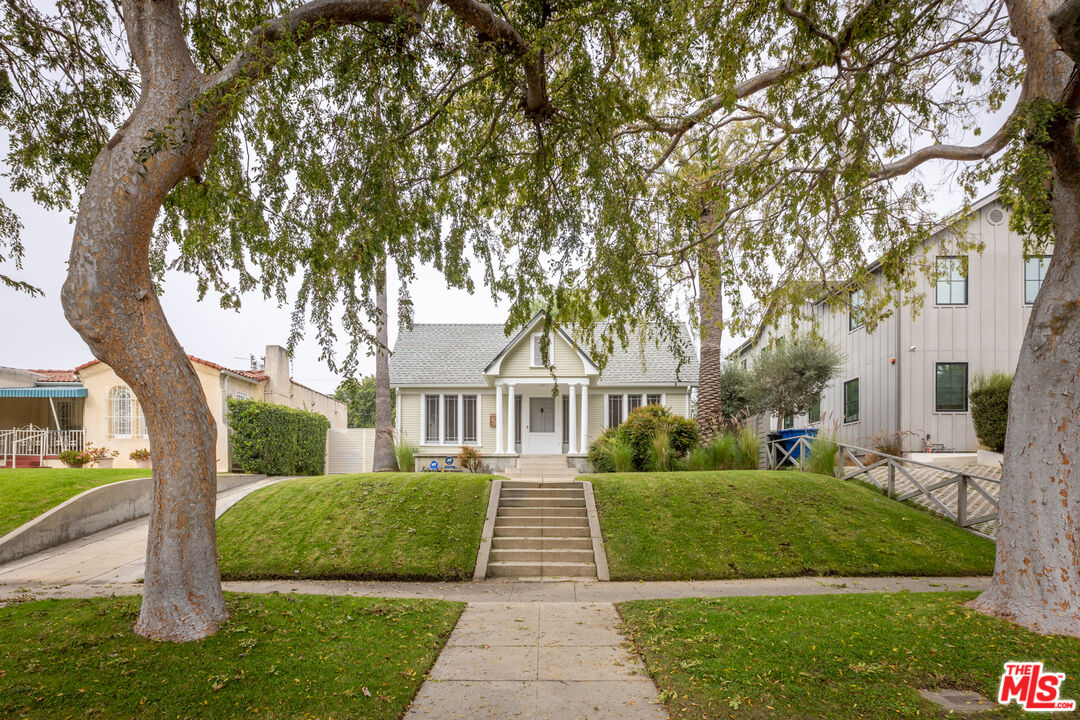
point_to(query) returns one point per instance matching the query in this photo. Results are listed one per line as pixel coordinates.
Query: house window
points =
(950, 392)
(855, 310)
(814, 413)
(517, 423)
(634, 402)
(537, 353)
(566, 420)
(789, 421)
(615, 411)
(468, 433)
(121, 413)
(952, 285)
(450, 408)
(1034, 274)
(654, 399)
(240, 395)
(431, 424)
(851, 401)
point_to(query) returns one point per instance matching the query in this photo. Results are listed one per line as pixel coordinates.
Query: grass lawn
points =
(403, 526)
(279, 656)
(751, 523)
(26, 493)
(831, 656)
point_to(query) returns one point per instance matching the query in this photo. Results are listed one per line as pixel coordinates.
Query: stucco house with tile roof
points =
(43, 412)
(454, 384)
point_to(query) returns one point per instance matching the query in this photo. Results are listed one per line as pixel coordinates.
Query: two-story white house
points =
(912, 373)
(468, 384)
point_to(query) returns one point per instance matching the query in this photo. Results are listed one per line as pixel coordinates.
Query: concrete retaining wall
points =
(88, 512)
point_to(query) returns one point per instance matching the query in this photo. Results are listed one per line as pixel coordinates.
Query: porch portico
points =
(536, 422)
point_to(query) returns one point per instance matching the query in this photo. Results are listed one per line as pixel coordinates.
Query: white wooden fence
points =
(350, 450)
(967, 497)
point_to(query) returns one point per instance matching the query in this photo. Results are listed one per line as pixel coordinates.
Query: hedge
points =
(989, 399)
(273, 439)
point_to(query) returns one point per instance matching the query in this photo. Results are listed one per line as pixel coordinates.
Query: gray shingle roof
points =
(457, 353)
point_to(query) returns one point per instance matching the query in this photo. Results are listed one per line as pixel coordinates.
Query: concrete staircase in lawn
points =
(538, 467)
(542, 530)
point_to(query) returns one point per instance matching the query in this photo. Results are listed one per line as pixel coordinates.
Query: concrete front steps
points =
(542, 530)
(542, 466)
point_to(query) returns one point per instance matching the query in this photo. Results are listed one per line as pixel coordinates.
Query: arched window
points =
(121, 412)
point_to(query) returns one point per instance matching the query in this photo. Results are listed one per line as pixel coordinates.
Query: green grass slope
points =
(745, 524)
(279, 657)
(26, 493)
(401, 526)
(832, 656)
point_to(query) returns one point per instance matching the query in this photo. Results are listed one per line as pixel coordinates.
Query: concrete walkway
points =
(115, 555)
(560, 661)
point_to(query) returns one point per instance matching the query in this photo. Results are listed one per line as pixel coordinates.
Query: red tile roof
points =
(256, 375)
(65, 376)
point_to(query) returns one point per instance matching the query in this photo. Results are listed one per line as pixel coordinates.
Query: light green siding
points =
(518, 362)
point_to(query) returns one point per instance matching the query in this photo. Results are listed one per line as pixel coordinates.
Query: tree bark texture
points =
(384, 459)
(710, 411)
(1037, 574)
(108, 298)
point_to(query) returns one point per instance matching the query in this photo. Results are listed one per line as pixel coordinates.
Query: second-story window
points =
(1034, 274)
(851, 401)
(855, 310)
(952, 280)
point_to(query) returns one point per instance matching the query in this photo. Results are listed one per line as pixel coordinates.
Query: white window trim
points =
(534, 350)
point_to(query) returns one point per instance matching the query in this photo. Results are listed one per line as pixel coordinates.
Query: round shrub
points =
(599, 454)
(989, 399)
(646, 422)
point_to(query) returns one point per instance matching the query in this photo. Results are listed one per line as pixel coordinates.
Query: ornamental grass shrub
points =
(405, 452)
(822, 458)
(276, 440)
(641, 436)
(989, 400)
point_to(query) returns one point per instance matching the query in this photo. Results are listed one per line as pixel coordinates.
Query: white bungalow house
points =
(454, 384)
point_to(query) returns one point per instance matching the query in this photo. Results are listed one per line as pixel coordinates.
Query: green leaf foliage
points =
(989, 399)
(276, 440)
(359, 398)
(634, 438)
(789, 376)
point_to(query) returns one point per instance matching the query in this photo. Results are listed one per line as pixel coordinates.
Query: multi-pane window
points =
(789, 421)
(125, 416)
(950, 390)
(855, 310)
(654, 399)
(851, 401)
(952, 284)
(537, 354)
(566, 419)
(615, 410)
(450, 408)
(1034, 274)
(431, 423)
(468, 432)
(814, 413)
(634, 402)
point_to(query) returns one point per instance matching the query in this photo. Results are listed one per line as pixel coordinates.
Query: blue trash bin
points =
(790, 439)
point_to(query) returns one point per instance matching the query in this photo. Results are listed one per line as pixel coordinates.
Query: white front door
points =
(541, 437)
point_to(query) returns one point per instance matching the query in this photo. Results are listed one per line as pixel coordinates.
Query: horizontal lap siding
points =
(518, 362)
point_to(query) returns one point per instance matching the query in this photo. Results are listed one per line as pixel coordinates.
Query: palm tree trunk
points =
(710, 413)
(384, 458)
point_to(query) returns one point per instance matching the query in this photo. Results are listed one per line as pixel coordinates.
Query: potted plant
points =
(75, 458)
(141, 457)
(102, 456)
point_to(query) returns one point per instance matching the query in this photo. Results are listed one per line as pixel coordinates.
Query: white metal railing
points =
(967, 498)
(32, 440)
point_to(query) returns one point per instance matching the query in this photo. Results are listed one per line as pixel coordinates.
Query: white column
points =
(423, 417)
(397, 413)
(511, 425)
(460, 418)
(625, 406)
(584, 447)
(499, 437)
(573, 420)
(442, 419)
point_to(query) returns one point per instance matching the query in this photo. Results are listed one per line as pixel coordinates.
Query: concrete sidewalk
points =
(524, 590)
(537, 660)
(115, 555)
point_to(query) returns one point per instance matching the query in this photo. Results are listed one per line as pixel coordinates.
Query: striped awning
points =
(67, 391)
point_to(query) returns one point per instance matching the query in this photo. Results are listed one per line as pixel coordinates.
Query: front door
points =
(540, 432)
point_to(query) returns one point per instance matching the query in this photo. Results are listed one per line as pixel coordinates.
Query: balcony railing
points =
(31, 440)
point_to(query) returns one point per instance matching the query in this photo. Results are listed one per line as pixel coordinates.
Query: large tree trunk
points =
(710, 412)
(108, 298)
(384, 460)
(1037, 575)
